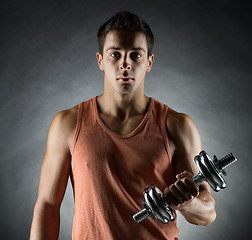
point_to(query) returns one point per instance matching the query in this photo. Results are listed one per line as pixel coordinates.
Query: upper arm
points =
(56, 163)
(186, 141)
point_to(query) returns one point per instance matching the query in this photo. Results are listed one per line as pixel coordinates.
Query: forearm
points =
(45, 223)
(201, 210)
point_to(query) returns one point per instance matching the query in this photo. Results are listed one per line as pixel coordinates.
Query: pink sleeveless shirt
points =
(110, 171)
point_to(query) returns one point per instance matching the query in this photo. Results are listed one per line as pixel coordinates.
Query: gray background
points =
(202, 67)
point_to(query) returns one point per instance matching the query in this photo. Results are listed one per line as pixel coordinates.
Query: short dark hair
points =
(125, 21)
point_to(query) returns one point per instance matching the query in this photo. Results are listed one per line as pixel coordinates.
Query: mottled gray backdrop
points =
(202, 67)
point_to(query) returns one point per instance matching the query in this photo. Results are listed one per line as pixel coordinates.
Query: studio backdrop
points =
(202, 67)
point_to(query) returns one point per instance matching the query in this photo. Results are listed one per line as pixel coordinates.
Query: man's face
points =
(125, 61)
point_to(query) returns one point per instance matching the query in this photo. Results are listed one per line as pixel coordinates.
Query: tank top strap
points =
(78, 126)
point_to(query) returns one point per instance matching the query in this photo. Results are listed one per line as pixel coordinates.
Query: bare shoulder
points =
(181, 129)
(66, 118)
(64, 123)
(68, 115)
(179, 122)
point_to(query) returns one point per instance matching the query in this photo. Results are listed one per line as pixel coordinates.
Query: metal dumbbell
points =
(210, 171)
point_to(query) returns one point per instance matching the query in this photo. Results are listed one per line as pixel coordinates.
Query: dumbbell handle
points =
(198, 179)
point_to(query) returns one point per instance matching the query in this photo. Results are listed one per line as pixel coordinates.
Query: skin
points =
(122, 107)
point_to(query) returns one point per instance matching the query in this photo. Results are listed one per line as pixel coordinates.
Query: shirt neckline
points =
(105, 128)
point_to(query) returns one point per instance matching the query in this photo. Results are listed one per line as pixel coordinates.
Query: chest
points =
(108, 159)
(122, 127)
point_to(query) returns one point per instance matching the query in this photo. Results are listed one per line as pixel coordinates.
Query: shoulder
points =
(66, 118)
(181, 127)
(179, 121)
(63, 124)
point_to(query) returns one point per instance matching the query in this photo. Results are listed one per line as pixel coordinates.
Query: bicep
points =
(187, 146)
(56, 164)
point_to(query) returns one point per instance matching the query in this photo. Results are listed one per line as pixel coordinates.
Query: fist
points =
(182, 192)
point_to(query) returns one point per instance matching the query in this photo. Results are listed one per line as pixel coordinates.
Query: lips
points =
(125, 79)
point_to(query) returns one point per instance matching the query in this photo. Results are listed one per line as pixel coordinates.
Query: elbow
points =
(210, 219)
(46, 207)
(203, 222)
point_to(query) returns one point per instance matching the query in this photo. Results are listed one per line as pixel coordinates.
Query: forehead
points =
(125, 40)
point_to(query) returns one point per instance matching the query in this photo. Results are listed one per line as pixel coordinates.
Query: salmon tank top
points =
(109, 173)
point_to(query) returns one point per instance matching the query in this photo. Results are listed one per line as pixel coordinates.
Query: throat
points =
(122, 120)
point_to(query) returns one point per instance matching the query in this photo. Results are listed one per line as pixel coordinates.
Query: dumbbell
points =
(210, 171)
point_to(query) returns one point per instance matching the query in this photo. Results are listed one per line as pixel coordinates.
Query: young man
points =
(115, 145)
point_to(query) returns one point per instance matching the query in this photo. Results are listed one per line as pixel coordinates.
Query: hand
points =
(182, 192)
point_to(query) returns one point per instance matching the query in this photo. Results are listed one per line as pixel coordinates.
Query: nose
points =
(125, 65)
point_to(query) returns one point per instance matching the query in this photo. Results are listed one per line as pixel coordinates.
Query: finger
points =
(191, 186)
(187, 193)
(184, 174)
(173, 202)
(177, 193)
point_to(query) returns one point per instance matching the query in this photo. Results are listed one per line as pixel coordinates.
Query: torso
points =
(115, 161)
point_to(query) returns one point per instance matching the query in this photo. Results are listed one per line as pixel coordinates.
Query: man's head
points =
(125, 22)
(125, 56)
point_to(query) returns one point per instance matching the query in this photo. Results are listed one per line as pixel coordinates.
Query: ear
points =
(99, 59)
(150, 62)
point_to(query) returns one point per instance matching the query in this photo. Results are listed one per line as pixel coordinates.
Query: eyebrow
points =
(117, 48)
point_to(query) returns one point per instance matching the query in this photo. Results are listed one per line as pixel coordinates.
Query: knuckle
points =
(172, 188)
(166, 191)
(188, 197)
(188, 181)
(178, 183)
(167, 197)
(196, 193)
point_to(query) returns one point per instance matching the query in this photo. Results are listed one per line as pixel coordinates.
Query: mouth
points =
(125, 79)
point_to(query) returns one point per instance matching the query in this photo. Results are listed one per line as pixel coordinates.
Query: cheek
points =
(141, 66)
(110, 68)
(112, 63)
(108, 65)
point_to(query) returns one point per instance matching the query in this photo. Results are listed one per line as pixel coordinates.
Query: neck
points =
(122, 107)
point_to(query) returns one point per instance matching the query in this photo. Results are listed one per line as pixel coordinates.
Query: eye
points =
(135, 55)
(115, 55)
